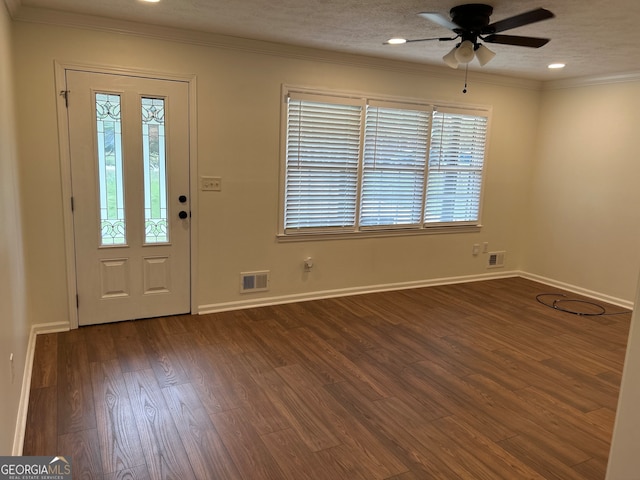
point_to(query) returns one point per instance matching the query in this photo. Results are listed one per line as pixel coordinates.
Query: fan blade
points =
(518, 21)
(439, 19)
(442, 39)
(532, 42)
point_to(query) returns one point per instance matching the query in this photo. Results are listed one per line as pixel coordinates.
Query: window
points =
(113, 228)
(355, 165)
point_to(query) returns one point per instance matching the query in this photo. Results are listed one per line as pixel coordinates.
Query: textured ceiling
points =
(593, 37)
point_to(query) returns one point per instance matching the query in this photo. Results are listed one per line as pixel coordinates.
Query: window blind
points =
(323, 149)
(395, 151)
(355, 164)
(456, 162)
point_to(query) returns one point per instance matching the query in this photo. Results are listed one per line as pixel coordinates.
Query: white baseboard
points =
(303, 297)
(579, 290)
(23, 407)
(343, 292)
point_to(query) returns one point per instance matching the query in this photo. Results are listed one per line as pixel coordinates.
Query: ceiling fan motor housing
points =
(472, 19)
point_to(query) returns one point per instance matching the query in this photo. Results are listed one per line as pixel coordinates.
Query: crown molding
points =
(626, 77)
(194, 37)
(13, 6)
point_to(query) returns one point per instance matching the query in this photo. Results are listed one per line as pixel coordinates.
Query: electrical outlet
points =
(308, 264)
(211, 184)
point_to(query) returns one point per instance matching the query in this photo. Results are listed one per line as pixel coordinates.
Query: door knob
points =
(182, 214)
(182, 198)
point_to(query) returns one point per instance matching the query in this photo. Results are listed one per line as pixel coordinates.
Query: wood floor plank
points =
(486, 363)
(238, 382)
(574, 443)
(362, 444)
(45, 361)
(41, 432)
(339, 361)
(76, 410)
(129, 347)
(245, 447)
(117, 431)
(313, 359)
(474, 454)
(593, 468)
(468, 381)
(84, 450)
(474, 405)
(207, 455)
(136, 473)
(227, 332)
(163, 359)
(539, 458)
(101, 347)
(569, 427)
(550, 380)
(296, 461)
(394, 432)
(163, 450)
(434, 349)
(300, 416)
(269, 338)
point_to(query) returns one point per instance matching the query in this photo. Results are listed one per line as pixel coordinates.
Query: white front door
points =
(129, 149)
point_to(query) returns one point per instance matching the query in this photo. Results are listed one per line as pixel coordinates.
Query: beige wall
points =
(13, 297)
(238, 139)
(560, 187)
(584, 221)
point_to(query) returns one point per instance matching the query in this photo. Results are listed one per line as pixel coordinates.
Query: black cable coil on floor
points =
(600, 310)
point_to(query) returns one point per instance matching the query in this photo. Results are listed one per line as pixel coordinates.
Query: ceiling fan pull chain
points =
(466, 71)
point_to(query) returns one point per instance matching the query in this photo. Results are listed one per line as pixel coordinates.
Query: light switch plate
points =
(210, 184)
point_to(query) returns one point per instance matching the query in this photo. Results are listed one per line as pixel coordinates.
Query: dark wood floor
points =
(474, 381)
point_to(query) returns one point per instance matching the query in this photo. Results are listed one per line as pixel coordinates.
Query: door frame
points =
(60, 69)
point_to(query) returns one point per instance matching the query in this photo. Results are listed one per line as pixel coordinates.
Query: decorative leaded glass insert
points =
(155, 171)
(110, 177)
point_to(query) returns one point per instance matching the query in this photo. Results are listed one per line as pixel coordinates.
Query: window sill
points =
(316, 236)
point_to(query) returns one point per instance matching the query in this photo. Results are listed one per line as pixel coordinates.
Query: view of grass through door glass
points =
(110, 177)
(155, 171)
(113, 227)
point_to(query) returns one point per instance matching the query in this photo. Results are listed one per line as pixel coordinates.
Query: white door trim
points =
(65, 169)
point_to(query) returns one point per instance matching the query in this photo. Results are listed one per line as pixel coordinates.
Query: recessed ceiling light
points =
(555, 66)
(396, 41)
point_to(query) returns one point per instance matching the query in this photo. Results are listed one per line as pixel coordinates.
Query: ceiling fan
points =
(470, 23)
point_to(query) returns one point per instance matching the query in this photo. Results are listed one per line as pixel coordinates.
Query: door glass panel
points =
(155, 171)
(109, 136)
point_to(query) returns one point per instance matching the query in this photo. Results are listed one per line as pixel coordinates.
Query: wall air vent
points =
(496, 259)
(254, 281)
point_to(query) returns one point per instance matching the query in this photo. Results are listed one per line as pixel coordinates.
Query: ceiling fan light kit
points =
(484, 55)
(465, 52)
(450, 58)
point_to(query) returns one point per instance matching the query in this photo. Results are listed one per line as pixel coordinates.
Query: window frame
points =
(358, 231)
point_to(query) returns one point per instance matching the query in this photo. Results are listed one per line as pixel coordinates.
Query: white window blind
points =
(355, 164)
(323, 150)
(456, 161)
(395, 151)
